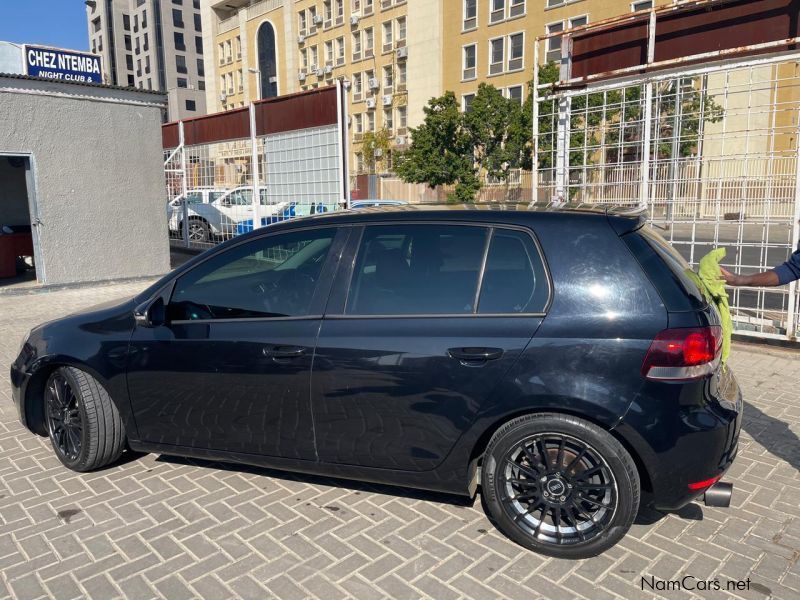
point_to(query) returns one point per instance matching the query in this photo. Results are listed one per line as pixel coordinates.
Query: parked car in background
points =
(437, 349)
(200, 195)
(219, 218)
(295, 209)
(374, 203)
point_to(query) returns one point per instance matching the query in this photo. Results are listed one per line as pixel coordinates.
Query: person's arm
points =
(780, 275)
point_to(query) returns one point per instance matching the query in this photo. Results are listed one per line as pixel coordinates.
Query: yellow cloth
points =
(711, 283)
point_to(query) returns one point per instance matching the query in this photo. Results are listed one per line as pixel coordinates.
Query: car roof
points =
(622, 219)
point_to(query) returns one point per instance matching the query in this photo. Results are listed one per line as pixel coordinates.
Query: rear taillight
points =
(681, 354)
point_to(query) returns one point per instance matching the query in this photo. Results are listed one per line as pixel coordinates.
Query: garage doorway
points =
(20, 263)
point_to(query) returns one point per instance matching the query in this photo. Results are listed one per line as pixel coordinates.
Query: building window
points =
(402, 118)
(470, 14)
(129, 62)
(180, 64)
(201, 68)
(371, 120)
(198, 44)
(182, 82)
(496, 52)
(358, 123)
(369, 41)
(304, 58)
(126, 22)
(359, 162)
(554, 43)
(180, 44)
(551, 3)
(177, 18)
(191, 105)
(578, 21)
(401, 76)
(644, 5)
(401, 29)
(147, 65)
(139, 67)
(198, 23)
(516, 48)
(96, 25)
(131, 81)
(470, 58)
(329, 53)
(388, 79)
(516, 8)
(497, 11)
(196, 4)
(144, 19)
(301, 22)
(466, 102)
(339, 51)
(368, 7)
(358, 88)
(357, 45)
(327, 12)
(228, 52)
(355, 6)
(146, 45)
(388, 42)
(515, 94)
(201, 85)
(135, 23)
(238, 47)
(178, 2)
(312, 19)
(372, 83)
(387, 119)
(314, 58)
(128, 45)
(149, 84)
(239, 80)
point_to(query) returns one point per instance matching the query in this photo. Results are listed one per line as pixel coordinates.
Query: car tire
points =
(559, 485)
(199, 231)
(83, 424)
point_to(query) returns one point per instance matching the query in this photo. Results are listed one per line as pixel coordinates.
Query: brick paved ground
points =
(159, 527)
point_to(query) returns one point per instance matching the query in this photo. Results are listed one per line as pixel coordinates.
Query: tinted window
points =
(271, 277)
(676, 264)
(194, 198)
(514, 280)
(417, 269)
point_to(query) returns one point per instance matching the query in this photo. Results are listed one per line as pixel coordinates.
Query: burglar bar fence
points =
(249, 168)
(711, 151)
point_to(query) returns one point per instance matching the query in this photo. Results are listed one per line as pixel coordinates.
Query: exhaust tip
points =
(719, 495)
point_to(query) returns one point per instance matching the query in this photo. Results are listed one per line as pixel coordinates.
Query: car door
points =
(421, 326)
(235, 208)
(229, 369)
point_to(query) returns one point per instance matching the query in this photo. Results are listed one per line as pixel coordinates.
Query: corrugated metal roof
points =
(78, 83)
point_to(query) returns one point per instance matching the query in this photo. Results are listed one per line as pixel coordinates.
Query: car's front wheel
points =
(84, 426)
(559, 485)
(198, 231)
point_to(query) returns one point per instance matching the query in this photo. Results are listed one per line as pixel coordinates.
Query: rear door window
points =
(514, 280)
(417, 269)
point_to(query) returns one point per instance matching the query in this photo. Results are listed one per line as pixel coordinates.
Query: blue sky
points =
(60, 23)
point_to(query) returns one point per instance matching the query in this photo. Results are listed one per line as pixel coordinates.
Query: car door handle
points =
(475, 354)
(279, 352)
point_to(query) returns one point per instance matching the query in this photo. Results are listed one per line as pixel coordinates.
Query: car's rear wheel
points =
(198, 231)
(559, 485)
(84, 426)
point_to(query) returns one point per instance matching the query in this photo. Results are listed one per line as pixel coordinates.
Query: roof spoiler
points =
(624, 219)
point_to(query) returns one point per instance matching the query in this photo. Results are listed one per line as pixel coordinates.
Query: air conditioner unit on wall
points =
(319, 72)
(318, 20)
(301, 39)
(402, 52)
(354, 20)
(400, 140)
(373, 83)
(301, 75)
(387, 100)
(328, 69)
(370, 102)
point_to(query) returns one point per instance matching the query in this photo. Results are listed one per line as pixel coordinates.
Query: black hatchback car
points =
(562, 360)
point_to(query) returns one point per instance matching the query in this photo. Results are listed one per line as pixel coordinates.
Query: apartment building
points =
(492, 41)
(388, 52)
(154, 45)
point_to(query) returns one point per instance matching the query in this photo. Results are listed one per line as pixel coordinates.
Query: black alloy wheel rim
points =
(64, 420)
(558, 489)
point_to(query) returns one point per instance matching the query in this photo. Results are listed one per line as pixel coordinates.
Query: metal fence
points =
(711, 151)
(254, 167)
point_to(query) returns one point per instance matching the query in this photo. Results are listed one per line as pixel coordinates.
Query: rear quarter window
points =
(666, 269)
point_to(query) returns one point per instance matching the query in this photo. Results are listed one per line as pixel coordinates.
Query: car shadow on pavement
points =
(773, 434)
(348, 484)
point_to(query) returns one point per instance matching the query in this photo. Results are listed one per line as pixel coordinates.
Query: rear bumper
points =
(693, 437)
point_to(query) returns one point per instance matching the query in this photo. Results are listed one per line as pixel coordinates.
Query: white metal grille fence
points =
(711, 151)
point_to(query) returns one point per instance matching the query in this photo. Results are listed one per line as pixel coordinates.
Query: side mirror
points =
(151, 314)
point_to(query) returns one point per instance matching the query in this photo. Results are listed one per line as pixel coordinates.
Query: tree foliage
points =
(375, 142)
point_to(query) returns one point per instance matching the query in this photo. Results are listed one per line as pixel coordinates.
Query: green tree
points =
(440, 152)
(375, 148)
